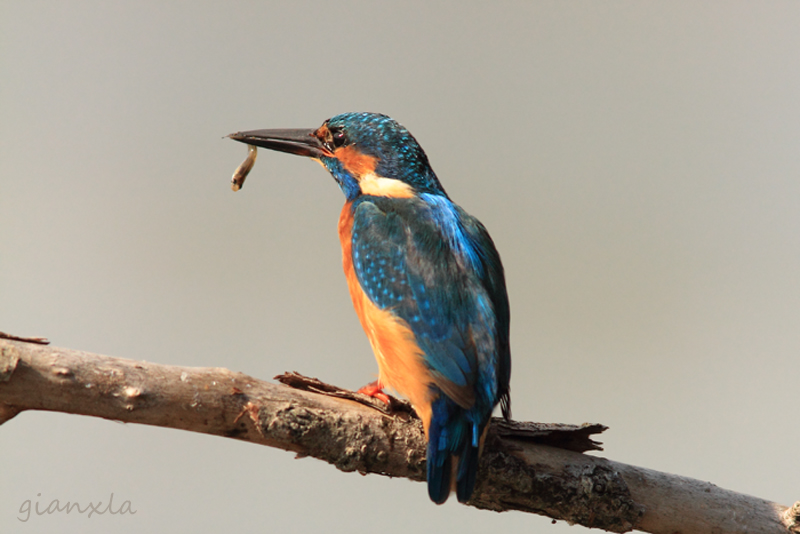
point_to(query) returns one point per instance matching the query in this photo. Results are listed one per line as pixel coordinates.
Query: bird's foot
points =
(375, 390)
(368, 393)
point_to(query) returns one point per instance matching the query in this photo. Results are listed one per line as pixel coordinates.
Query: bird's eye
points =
(338, 138)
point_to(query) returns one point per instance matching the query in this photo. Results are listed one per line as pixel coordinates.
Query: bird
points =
(426, 282)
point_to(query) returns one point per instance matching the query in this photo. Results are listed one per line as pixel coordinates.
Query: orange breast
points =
(400, 360)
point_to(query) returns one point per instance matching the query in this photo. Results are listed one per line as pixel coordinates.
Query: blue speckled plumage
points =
(398, 154)
(417, 263)
(437, 269)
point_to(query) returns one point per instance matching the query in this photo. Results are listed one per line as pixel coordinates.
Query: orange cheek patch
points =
(356, 162)
(362, 168)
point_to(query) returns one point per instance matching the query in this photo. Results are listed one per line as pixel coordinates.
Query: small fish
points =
(241, 172)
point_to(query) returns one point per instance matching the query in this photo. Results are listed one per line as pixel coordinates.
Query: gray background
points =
(636, 164)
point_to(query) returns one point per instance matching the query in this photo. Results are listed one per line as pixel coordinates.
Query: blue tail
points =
(453, 431)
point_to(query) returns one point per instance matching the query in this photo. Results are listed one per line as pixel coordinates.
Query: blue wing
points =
(436, 268)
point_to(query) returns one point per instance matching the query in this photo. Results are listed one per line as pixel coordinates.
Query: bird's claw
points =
(375, 390)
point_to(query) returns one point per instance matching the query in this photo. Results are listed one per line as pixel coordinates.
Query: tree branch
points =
(517, 471)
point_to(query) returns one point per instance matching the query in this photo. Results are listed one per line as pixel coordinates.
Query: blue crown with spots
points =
(398, 153)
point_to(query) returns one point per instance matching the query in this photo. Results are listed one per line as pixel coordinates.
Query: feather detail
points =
(400, 360)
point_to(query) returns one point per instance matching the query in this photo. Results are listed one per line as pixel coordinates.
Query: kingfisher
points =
(426, 282)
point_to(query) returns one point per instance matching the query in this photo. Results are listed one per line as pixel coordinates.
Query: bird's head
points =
(367, 154)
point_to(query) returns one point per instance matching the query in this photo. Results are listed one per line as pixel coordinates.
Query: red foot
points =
(375, 390)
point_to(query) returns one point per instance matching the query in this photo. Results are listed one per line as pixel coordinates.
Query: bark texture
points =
(529, 467)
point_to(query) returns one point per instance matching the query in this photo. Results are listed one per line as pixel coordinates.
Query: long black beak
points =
(301, 142)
